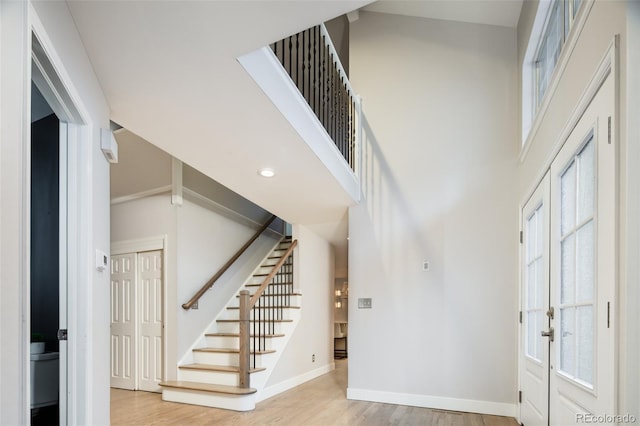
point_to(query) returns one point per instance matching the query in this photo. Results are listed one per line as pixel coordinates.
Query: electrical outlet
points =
(364, 303)
(313, 358)
(425, 266)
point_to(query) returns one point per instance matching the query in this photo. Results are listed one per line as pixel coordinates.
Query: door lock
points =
(550, 334)
(62, 334)
(550, 312)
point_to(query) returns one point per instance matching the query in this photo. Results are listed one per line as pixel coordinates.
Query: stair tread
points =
(238, 335)
(253, 320)
(231, 390)
(235, 308)
(225, 368)
(232, 351)
(259, 284)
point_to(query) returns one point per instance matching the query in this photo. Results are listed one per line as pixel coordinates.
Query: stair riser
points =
(232, 342)
(255, 281)
(216, 377)
(234, 327)
(285, 314)
(208, 399)
(267, 301)
(218, 358)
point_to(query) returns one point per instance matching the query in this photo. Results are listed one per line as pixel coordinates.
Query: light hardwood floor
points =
(320, 402)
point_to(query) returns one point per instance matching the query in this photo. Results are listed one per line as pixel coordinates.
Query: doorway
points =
(45, 265)
(567, 362)
(137, 319)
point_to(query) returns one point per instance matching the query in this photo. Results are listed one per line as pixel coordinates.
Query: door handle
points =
(550, 334)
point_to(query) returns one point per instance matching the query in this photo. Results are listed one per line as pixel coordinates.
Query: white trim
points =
(529, 135)
(142, 194)
(263, 66)
(69, 106)
(607, 66)
(293, 382)
(208, 203)
(139, 245)
(437, 402)
(176, 182)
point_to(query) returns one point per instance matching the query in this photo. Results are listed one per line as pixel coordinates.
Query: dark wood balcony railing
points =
(311, 61)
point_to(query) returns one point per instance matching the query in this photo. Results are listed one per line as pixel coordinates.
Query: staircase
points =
(214, 377)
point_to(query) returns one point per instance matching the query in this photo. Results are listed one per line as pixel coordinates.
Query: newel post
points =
(244, 339)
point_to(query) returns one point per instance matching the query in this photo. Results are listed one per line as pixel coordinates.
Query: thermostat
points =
(102, 260)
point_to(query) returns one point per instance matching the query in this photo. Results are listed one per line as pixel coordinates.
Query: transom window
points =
(551, 33)
(557, 26)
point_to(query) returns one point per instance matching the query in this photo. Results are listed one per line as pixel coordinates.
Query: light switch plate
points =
(364, 303)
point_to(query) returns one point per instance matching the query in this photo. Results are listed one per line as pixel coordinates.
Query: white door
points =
(150, 319)
(123, 324)
(534, 359)
(583, 274)
(567, 364)
(136, 321)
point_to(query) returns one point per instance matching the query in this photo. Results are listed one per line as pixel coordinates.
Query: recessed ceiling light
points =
(268, 173)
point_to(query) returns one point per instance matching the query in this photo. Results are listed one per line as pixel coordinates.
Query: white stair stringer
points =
(208, 375)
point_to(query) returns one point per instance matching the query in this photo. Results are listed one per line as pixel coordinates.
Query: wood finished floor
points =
(320, 402)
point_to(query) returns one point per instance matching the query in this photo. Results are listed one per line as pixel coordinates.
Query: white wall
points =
(440, 185)
(89, 333)
(314, 266)
(199, 241)
(147, 218)
(206, 241)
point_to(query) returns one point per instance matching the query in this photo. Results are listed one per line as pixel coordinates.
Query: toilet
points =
(44, 379)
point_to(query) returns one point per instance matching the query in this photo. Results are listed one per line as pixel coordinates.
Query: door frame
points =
(149, 244)
(607, 68)
(75, 130)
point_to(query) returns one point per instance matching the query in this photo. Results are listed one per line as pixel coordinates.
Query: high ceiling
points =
(504, 13)
(170, 73)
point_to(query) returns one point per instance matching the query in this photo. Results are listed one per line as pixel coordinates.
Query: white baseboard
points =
(274, 390)
(437, 402)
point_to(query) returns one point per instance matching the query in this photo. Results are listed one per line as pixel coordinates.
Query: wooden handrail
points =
(275, 269)
(227, 265)
(246, 304)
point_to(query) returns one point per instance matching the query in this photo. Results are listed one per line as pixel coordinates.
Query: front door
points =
(567, 367)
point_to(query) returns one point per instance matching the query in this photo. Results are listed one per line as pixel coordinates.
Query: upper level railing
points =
(312, 62)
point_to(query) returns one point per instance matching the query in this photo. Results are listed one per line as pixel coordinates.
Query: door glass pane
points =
(568, 199)
(585, 344)
(586, 182)
(534, 285)
(567, 341)
(568, 276)
(585, 267)
(531, 238)
(531, 286)
(541, 317)
(540, 284)
(539, 232)
(531, 334)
